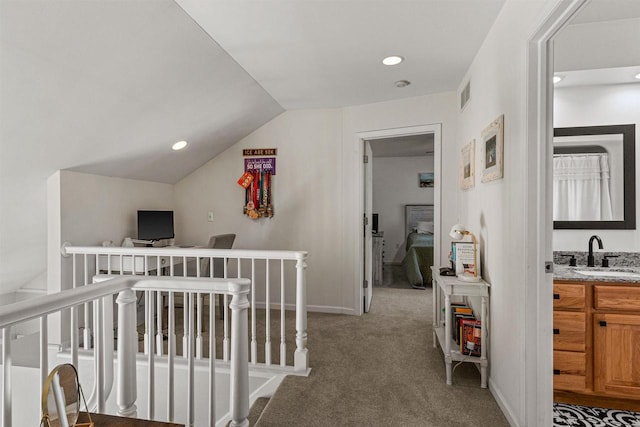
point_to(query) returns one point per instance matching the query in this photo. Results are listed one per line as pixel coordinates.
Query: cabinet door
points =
(617, 354)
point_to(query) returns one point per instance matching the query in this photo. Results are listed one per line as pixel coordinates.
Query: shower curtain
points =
(581, 187)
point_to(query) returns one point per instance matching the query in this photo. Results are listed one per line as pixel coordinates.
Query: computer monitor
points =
(155, 225)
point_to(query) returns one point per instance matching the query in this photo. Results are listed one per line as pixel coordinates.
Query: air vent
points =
(465, 95)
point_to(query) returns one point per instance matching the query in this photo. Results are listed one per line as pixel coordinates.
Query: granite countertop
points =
(618, 274)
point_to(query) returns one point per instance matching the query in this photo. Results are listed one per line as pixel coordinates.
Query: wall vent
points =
(465, 95)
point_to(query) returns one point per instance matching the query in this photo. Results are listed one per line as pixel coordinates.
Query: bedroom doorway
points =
(400, 168)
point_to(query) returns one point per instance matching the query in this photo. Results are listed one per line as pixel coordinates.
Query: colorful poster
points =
(260, 164)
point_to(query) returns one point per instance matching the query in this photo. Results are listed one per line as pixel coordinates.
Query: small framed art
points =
(425, 179)
(492, 150)
(468, 165)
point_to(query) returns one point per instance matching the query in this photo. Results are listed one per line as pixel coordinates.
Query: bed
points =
(419, 259)
(419, 247)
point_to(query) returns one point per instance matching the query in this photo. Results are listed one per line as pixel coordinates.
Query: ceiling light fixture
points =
(557, 78)
(402, 83)
(179, 145)
(392, 60)
(638, 76)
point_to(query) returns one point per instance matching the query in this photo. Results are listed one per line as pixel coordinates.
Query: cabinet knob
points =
(603, 323)
(556, 372)
(556, 331)
(556, 296)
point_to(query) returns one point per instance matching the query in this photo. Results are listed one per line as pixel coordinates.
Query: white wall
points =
(314, 203)
(495, 211)
(395, 184)
(596, 106)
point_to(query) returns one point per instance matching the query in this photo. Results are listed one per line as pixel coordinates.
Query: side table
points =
(450, 286)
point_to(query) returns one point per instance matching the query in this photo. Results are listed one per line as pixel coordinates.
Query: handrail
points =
(180, 252)
(124, 287)
(35, 308)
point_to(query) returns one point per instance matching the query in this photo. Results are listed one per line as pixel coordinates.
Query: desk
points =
(134, 264)
(451, 286)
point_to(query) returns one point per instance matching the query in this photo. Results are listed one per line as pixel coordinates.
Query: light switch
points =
(210, 216)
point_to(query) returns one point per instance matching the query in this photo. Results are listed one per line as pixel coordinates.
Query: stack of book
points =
(466, 330)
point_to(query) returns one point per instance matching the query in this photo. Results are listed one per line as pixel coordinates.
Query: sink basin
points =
(629, 274)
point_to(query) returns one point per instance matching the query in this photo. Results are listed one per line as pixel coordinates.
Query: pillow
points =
(425, 227)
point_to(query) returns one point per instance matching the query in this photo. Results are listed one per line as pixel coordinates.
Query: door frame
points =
(361, 137)
(537, 393)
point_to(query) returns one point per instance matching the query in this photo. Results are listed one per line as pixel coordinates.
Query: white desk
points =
(134, 264)
(450, 286)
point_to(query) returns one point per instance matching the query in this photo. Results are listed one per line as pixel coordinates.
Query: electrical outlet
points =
(210, 216)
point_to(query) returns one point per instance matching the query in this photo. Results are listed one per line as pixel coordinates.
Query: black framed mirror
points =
(608, 202)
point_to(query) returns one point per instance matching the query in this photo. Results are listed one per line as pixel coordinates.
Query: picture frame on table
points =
(493, 150)
(468, 165)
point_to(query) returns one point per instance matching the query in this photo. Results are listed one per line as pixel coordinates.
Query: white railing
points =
(100, 298)
(278, 283)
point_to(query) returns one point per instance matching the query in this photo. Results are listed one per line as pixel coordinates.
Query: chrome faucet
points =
(590, 259)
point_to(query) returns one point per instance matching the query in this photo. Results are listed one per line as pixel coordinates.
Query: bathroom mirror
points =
(594, 177)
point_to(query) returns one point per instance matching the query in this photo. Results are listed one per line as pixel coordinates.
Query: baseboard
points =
(506, 409)
(312, 308)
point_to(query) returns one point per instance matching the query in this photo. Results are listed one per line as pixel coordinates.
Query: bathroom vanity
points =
(596, 337)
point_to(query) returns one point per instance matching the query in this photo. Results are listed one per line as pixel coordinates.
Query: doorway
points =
(387, 138)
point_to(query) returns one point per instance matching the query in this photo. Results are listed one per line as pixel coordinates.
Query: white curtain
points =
(581, 187)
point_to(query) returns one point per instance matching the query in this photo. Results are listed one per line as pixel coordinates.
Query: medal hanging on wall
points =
(258, 186)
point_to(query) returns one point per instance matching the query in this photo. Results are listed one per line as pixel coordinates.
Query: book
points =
(464, 259)
(455, 330)
(470, 337)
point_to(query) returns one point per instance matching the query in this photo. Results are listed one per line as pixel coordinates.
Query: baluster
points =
(212, 360)
(301, 355)
(185, 311)
(147, 337)
(74, 319)
(171, 353)
(44, 350)
(98, 353)
(127, 349)
(199, 326)
(190, 363)
(267, 343)
(283, 345)
(199, 314)
(159, 312)
(254, 342)
(6, 376)
(239, 355)
(151, 375)
(225, 310)
(87, 309)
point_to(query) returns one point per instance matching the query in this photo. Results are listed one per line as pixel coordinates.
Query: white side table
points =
(451, 286)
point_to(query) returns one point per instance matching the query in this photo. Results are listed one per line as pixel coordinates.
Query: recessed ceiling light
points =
(402, 83)
(557, 78)
(392, 60)
(179, 145)
(638, 76)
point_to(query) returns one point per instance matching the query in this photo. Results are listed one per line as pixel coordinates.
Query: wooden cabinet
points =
(596, 343)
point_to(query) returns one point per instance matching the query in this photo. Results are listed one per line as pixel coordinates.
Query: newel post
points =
(127, 349)
(239, 353)
(301, 355)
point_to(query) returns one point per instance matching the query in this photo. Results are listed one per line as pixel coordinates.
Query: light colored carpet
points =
(380, 369)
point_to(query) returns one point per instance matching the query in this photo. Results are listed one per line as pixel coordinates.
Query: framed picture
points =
(492, 150)
(425, 179)
(468, 165)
